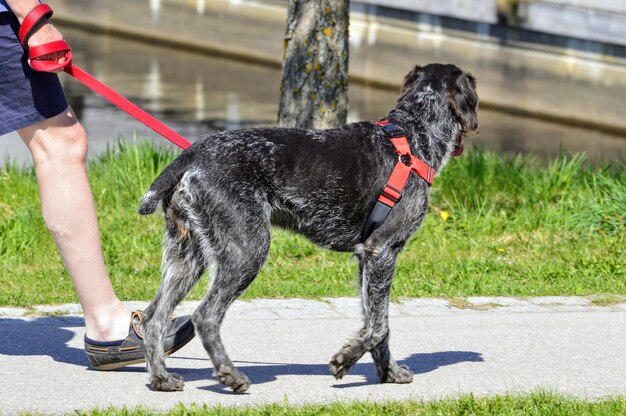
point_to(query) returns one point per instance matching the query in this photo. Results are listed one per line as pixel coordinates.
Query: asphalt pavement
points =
(490, 346)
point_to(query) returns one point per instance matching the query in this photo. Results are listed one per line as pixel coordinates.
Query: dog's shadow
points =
(48, 336)
(264, 372)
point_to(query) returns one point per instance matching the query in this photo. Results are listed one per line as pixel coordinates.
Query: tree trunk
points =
(314, 88)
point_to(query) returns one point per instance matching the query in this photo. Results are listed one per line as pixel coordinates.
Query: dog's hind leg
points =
(184, 260)
(241, 255)
(376, 268)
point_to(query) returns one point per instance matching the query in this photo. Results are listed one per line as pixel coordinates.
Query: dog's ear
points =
(410, 78)
(463, 101)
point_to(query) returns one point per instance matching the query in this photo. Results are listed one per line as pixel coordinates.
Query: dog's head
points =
(453, 88)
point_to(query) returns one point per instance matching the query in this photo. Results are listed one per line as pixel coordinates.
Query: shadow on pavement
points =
(49, 336)
(42, 336)
(421, 363)
(261, 372)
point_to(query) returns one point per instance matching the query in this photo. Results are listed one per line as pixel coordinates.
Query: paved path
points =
(563, 344)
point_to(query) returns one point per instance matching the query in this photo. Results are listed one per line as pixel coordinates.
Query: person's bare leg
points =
(59, 149)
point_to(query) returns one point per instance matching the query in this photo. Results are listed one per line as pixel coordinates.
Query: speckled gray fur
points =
(221, 195)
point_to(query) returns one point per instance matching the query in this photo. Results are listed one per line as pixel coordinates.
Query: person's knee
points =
(61, 139)
(65, 145)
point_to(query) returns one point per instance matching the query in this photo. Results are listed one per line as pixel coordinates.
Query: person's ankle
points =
(108, 326)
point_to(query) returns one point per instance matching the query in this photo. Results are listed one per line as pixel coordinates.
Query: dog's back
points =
(319, 183)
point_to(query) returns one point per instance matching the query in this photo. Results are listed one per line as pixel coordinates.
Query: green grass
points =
(535, 404)
(517, 227)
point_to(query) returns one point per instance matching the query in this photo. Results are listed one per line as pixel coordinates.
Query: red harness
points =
(392, 192)
(35, 53)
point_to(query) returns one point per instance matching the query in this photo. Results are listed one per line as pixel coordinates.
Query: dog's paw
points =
(339, 366)
(400, 374)
(168, 382)
(233, 378)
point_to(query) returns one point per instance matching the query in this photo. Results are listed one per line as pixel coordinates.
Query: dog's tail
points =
(164, 183)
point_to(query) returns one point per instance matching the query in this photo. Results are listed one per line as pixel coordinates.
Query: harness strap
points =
(392, 191)
(36, 61)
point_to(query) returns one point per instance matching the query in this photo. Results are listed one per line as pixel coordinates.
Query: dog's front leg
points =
(386, 367)
(376, 266)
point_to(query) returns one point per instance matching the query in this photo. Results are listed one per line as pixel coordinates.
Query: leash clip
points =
(405, 160)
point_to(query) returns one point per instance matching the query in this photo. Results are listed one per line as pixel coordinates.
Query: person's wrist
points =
(44, 32)
(44, 21)
(21, 9)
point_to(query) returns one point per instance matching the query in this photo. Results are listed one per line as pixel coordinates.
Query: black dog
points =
(221, 196)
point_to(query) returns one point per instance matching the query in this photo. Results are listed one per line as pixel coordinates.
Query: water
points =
(197, 94)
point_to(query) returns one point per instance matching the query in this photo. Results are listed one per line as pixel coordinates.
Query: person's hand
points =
(46, 33)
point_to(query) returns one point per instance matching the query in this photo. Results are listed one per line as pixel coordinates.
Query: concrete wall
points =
(599, 20)
(475, 10)
(612, 6)
(603, 21)
(550, 83)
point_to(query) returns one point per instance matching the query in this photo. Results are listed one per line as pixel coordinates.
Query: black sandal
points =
(109, 355)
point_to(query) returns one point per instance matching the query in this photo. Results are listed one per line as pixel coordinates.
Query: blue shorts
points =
(26, 96)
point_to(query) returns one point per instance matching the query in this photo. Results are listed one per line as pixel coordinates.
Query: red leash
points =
(44, 11)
